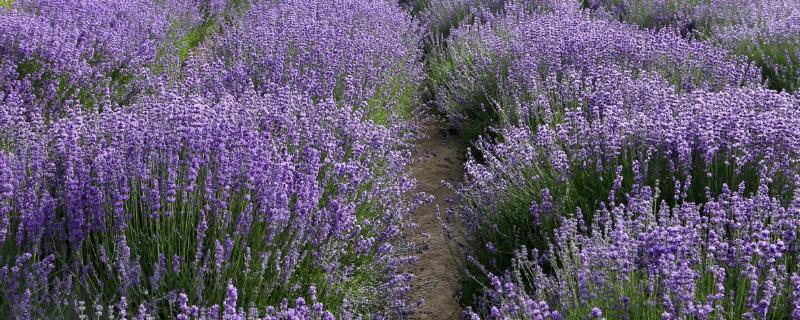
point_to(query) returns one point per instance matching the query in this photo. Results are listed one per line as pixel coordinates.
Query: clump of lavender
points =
(525, 184)
(588, 121)
(493, 72)
(182, 194)
(58, 54)
(362, 53)
(733, 257)
(764, 31)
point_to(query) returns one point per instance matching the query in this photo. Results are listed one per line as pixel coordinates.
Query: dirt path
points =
(437, 158)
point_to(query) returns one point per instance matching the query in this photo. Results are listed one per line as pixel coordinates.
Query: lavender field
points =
(400, 159)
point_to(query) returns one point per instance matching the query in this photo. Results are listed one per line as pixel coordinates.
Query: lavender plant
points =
(689, 145)
(361, 53)
(59, 53)
(733, 257)
(489, 69)
(180, 194)
(764, 31)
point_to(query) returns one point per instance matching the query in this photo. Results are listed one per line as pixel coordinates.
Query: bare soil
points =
(438, 158)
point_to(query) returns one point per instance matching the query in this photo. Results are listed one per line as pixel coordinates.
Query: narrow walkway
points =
(437, 158)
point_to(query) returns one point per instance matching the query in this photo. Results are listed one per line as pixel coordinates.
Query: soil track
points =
(437, 158)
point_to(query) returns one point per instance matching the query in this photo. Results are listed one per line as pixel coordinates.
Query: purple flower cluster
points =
(709, 136)
(267, 165)
(236, 176)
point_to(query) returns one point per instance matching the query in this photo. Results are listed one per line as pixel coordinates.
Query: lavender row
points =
(186, 191)
(258, 175)
(732, 257)
(603, 137)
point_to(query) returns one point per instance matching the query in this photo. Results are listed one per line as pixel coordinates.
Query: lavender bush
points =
(490, 68)
(689, 146)
(764, 31)
(733, 257)
(329, 49)
(94, 53)
(182, 195)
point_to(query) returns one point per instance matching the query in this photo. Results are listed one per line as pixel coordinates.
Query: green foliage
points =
(779, 61)
(468, 87)
(398, 96)
(194, 37)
